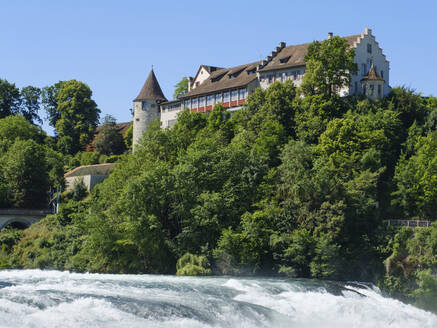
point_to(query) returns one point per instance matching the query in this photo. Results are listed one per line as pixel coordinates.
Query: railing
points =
(409, 223)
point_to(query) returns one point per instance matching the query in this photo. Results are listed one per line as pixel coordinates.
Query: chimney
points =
(367, 31)
(269, 58)
(330, 35)
(277, 49)
(282, 45)
(273, 54)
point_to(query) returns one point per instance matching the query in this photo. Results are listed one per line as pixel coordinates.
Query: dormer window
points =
(217, 78)
(252, 71)
(233, 75)
(284, 60)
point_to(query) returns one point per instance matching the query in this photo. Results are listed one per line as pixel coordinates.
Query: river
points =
(36, 298)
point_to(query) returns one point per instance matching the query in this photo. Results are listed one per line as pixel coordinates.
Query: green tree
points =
(16, 127)
(73, 114)
(109, 140)
(50, 102)
(416, 180)
(30, 104)
(9, 99)
(329, 65)
(25, 170)
(181, 88)
(128, 137)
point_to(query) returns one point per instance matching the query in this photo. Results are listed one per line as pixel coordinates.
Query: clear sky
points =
(111, 45)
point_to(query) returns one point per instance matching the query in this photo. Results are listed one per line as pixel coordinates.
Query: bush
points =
(192, 265)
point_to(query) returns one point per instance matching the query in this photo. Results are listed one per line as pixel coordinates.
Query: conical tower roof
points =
(372, 75)
(151, 89)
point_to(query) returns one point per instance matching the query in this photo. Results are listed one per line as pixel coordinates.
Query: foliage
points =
(9, 99)
(79, 191)
(24, 168)
(108, 140)
(416, 180)
(16, 127)
(192, 265)
(30, 104)
(72, 112)
(181, 88)
(25, 102)
(329, 65)
(128, 137)
(289, 185)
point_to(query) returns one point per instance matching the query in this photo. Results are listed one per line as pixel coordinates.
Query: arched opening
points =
(20, 225)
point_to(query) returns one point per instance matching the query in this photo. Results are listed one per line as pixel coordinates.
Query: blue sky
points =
(111, 45)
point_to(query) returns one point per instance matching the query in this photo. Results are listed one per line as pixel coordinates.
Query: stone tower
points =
(146, 106)
(373, 85)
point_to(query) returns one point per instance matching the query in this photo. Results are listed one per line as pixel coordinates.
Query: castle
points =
(231, 86)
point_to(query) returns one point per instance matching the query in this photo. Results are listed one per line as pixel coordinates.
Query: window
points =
(369, 48)
(284, 60)
(295, 75)
(356, 88)
(194, 103)
(369, 63)
(218, 98)
(210, 100)
(271, 78)
(226, 97)
(283, 77)
(371, 90)
(288, 75)
(379, 90)
(234, 95)
(242, 93)
(187, 103)
(382, 74)
(201, 101)
(363, 69)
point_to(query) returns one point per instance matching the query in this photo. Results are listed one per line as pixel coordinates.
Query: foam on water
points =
(35, 298)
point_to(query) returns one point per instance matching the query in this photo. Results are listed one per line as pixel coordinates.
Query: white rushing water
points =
(35, 298)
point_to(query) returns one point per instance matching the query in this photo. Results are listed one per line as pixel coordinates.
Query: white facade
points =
(283, 64)
(368, 52)
(294, 74)
(169, 114)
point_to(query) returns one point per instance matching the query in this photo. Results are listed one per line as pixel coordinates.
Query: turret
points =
(146, 106)
(373, 85)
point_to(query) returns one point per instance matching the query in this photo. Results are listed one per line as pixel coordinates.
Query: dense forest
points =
(300, 182)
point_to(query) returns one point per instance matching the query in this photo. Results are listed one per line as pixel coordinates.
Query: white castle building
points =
(231, 86)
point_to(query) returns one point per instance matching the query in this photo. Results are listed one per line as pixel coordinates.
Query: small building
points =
(90, 175)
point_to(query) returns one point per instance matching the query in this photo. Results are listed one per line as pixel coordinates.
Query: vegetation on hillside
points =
(291, 185)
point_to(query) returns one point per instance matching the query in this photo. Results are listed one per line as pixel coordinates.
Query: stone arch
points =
(17, 223)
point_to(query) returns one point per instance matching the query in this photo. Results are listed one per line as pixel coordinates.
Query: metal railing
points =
(410, 223)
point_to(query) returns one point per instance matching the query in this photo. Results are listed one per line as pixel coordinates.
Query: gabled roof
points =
(372, 75)
(151, 90)
(98, 169)
(224, 79)
(208, 68)
(293, 56)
